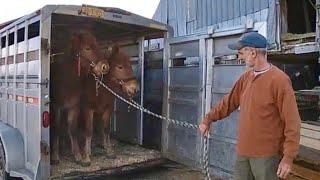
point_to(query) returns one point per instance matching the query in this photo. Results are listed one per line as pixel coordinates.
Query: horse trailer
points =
(28, 47)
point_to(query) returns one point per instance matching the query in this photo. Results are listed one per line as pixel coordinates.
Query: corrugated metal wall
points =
(191, 16)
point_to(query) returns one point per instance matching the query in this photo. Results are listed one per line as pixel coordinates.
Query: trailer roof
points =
(119, 18)
(116, 21)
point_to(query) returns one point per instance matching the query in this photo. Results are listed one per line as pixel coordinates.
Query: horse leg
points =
(88, 118)
(73, 115)
(56, 126)
(107, 145)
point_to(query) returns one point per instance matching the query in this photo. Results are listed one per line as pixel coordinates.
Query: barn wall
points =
(193, 16)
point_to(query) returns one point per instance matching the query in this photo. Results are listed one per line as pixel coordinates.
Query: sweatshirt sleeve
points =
(290, 115)
(226, 106)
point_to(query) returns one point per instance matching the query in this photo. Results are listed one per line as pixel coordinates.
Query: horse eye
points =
(120, 66)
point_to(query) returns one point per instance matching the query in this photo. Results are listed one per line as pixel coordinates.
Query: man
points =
(269, 122)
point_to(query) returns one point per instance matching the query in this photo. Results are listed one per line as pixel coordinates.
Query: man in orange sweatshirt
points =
(269, 121)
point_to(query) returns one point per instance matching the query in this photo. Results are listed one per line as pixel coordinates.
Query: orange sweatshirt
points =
(269, 122)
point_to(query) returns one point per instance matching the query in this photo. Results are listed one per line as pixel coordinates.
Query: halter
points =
(92, 64)
(78, 61)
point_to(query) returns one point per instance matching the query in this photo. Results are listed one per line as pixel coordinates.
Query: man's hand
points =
(284, 170)
(204, 129)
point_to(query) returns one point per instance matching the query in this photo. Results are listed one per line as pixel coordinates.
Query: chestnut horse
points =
(120, 79)
(68, 72)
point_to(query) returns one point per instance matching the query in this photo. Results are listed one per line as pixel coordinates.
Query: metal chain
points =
(173, 121)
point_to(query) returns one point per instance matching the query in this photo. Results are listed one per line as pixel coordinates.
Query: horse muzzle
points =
(101, 68)
(131, 88)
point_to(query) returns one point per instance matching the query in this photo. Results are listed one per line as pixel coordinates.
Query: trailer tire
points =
(3, 174)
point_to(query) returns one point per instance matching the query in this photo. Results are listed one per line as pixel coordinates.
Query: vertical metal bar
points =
(2, 84)
(7, 71)
(166, 83)
(210, 63)
(15, 73)
(141, 57)
(24, 89)
(45, 34)
(202, 80)
(278, 31)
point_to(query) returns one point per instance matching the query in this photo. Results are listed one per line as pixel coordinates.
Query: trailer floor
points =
(128, 158)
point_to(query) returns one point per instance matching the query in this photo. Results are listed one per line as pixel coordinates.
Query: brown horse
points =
(120, 79)
(69, 72)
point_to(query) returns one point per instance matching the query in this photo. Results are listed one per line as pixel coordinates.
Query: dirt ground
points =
(168, 171)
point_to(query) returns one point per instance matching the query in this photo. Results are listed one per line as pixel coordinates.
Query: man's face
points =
(247, 55)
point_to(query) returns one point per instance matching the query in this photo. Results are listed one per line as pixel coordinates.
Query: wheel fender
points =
(13, 146)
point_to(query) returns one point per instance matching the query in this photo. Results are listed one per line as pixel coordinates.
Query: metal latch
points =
(44, 148)
(44, 82)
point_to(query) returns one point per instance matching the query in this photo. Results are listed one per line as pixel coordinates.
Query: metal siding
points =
(242, 7)
(204, 13)
(257, 16)
(190, 27)
(236, 6)
(219, 11)
(256, 5)
(237, 21)
(264, 4)
(164, 11)
(230, 9)
(209, 12)
(198, 14)
(224, 10)
(191, 10)
(172, 19)
(33, 136)
(214, 11)
(264, 14)
(181, 17)
(249, 6)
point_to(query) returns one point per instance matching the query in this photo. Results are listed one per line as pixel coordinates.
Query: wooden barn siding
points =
(191, 16)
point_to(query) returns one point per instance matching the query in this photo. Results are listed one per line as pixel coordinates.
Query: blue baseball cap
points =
(250, 39)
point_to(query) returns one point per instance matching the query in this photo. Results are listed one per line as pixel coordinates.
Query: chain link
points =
(173, 121)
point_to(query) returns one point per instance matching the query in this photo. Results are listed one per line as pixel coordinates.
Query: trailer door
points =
(184, 74)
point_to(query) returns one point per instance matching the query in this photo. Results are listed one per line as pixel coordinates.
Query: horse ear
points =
(115, 49)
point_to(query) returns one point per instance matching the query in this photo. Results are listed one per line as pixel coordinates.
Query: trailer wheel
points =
(3, 174)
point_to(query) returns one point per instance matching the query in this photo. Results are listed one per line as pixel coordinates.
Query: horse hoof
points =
(85, 164)
(111, 156)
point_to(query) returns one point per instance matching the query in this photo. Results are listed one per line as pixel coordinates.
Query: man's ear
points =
(254, 52)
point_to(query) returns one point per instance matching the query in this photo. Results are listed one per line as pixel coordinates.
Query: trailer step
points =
(23, 173)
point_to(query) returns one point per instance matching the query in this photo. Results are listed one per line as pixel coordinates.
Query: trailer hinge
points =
(44, 82)
(44, 148)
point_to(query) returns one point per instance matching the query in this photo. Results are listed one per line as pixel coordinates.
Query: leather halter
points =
(78, 61)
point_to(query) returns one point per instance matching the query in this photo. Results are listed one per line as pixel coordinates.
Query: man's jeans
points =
(248, 168)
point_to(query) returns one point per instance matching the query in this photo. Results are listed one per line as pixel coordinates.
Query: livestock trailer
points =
(200, 69)
(27, 45)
